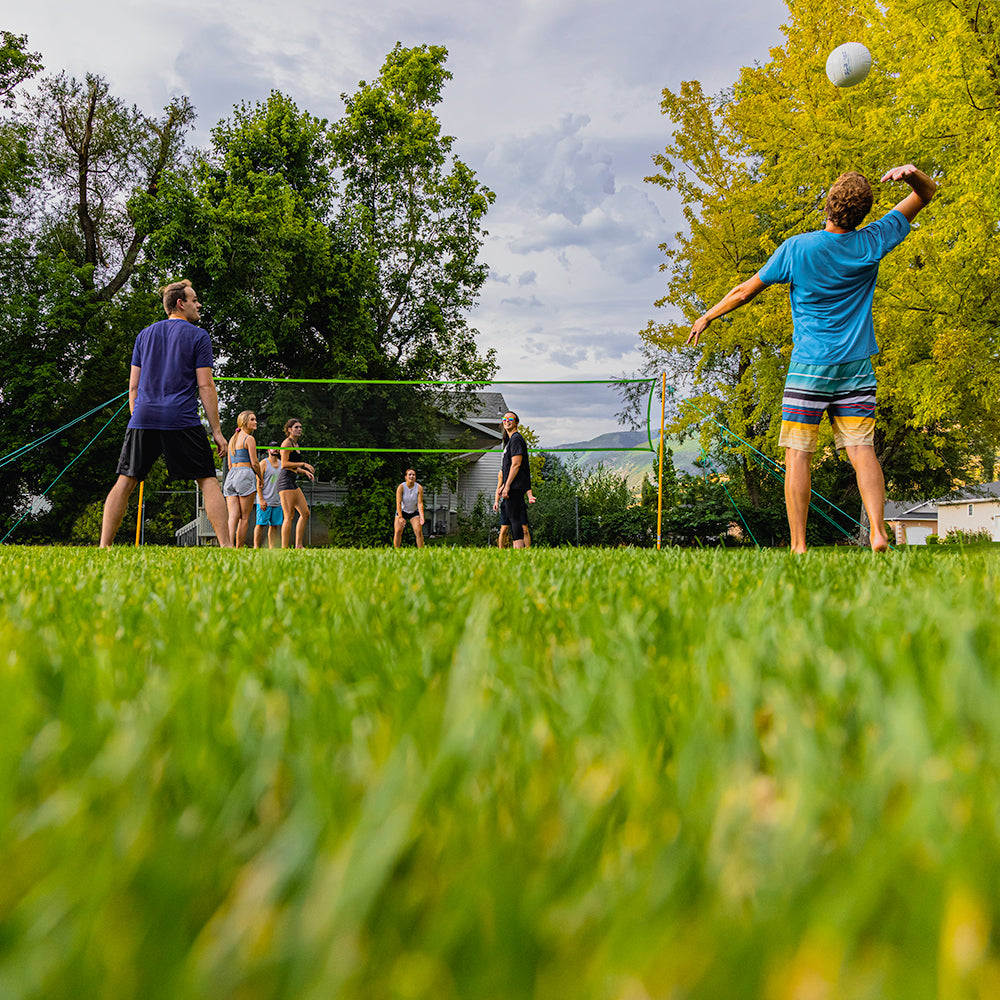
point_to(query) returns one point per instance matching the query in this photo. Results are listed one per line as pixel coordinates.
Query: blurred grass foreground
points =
(470, 774)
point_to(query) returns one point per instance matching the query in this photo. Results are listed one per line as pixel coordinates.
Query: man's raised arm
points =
(923, 188)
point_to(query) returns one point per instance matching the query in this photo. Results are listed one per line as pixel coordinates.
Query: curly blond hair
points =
(849, 200)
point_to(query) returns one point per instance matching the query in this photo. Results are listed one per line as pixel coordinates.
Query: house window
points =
(970, 510)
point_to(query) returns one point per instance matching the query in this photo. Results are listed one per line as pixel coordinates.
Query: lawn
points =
(470, 774)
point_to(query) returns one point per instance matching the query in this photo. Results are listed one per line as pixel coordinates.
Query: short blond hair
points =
(173, 293)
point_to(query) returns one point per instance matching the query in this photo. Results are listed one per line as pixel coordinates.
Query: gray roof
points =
(973, 493)
(911, 510)
(926, 510)
(490, 408)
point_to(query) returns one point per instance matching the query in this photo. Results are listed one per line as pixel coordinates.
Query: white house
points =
(976, 508)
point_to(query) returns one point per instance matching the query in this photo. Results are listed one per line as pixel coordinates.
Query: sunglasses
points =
(509, 420)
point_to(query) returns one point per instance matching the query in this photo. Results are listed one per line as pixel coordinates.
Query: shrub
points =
(962, 536)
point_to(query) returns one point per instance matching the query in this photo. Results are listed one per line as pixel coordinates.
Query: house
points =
(912, 522)
(975, 508)
(480, 427)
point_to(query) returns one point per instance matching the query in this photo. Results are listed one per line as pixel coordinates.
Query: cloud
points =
(554, 104)
(553, 171)
(519, 302)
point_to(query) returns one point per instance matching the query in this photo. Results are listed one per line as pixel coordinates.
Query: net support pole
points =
(138, 517)
(659, 489)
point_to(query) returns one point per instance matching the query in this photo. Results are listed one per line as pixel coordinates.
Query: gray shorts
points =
(240, 483)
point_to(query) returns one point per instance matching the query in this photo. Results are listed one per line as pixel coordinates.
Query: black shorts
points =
(410, 513)
(187, 453)
(505, 517)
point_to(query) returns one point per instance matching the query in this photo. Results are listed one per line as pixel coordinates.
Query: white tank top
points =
(409, 503)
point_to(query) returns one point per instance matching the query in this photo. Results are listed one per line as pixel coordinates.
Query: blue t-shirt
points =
(832, 278)
(169, 353)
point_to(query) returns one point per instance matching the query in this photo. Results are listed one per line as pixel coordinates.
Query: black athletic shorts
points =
(505, 517)
(187, 453)
(410, 514)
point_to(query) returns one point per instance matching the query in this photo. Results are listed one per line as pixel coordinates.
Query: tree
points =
(297, 276)
(77, 282)
(17, 65)
(752, 167)
(420, 210)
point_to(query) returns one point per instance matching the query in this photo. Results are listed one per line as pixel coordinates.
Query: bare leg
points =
(798, 488)
(246, 505)
(115, 507)
(502, 537)
(274, 537)
(288, 512)
(258, 536)
(527, 537)
(397, 537)
(871, 485)
(215, 508)
(300, 531)
(418, 532)
(233, 520)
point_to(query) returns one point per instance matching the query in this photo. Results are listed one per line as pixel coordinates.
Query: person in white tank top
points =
(409, 507)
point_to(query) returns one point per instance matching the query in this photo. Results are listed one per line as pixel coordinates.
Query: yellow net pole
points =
(659, 492)
(138, 517)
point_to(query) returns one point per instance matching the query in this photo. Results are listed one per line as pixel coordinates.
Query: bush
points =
(477, 526)
(961, 536)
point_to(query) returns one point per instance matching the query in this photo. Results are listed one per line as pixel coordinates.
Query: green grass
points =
(470, 774)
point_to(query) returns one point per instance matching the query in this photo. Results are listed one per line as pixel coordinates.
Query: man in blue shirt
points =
(832, 274)
(171, 367)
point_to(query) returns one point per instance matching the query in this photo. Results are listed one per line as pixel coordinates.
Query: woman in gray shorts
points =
(241, 482)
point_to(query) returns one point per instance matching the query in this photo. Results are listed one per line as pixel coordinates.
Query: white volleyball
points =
(848, 64)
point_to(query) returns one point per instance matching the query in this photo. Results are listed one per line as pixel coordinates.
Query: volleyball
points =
(848, 64)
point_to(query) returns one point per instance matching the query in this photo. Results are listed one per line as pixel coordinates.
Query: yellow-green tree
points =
(752, 167)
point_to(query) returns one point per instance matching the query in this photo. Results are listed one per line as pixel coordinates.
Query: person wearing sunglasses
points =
(516, 477)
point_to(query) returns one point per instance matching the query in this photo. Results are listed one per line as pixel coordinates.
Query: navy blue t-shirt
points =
(516, 446)
(169, 354)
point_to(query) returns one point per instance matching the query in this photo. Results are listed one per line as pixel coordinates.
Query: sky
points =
(554, 104)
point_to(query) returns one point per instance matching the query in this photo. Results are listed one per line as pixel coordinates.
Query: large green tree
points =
(369, 278)
(421, 211)
(752, 166)
(78, 284)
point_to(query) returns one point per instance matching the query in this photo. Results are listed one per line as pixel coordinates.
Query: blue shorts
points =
(270, 515)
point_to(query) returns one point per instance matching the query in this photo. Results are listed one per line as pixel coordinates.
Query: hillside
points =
(633, 464)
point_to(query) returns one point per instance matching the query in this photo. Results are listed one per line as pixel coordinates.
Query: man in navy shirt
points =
(831, 274)
(171, 367)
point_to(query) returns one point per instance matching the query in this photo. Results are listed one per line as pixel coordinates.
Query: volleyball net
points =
(366, 416)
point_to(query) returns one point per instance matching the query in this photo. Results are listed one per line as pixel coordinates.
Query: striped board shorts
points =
(846, 392)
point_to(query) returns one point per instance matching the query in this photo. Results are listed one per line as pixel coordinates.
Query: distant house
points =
(976, 508)
(912, 521)
(481, 427)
